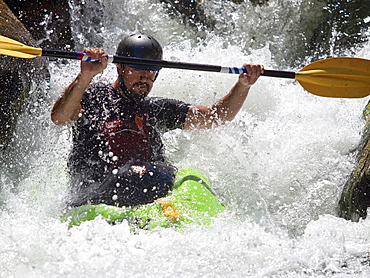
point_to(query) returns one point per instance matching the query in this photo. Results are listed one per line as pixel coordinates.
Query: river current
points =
(279, 167)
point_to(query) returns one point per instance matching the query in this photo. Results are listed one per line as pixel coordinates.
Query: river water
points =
(279, 167)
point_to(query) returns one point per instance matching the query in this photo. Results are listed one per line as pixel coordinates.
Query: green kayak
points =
(190, 201)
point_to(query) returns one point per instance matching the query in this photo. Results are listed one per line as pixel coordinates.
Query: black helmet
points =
(141, 46)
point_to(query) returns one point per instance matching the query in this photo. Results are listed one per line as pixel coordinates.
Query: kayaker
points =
(117, 155)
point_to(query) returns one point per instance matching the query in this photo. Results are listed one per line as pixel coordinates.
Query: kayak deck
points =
(190, 201)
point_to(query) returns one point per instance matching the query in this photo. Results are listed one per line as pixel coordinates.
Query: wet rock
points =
(355, 198)
(191, 11)
(88, 28)
(18, 77)
(342, 28)
(47, 20)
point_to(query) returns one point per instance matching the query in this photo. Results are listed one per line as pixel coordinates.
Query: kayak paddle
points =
(341, 77)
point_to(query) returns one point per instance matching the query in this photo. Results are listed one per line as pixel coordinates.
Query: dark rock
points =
(355, 198)
(17, 76)
(47, 20)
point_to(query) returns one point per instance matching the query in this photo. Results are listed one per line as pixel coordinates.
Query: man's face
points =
(138, 82)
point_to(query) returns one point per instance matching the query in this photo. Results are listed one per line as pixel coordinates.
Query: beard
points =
(139, 85)
(140, 94)
(136, 93)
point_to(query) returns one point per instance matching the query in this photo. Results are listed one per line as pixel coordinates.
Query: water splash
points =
(279, 167)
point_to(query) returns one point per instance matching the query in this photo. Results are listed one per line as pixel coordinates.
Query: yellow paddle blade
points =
(342, 77)
(16, 54)
(6, 40)
(13, 48)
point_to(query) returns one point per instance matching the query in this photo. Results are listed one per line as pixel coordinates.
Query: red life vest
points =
(128, 139)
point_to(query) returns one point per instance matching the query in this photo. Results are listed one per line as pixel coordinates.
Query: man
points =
(117, 155)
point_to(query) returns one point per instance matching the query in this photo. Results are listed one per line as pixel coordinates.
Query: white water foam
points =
(279, 168)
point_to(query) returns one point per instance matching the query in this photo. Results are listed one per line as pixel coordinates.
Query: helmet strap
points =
(124, 89)
(155, 78)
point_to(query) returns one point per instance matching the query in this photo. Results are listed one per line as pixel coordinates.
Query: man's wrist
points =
(243, 85)
(85, 77)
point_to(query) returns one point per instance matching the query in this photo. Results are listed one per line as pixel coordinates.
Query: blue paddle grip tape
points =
(88, 59)
(237, 70)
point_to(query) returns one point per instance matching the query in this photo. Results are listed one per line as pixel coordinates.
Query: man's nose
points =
(145, 75)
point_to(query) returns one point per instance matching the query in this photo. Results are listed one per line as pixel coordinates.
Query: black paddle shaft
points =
(161, 63)
(279, 73)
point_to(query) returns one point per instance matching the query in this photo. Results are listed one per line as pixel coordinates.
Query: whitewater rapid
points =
(279, 168)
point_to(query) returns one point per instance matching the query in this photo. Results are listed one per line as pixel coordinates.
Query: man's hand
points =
(68, 106)
(253, 73)
(90, 69)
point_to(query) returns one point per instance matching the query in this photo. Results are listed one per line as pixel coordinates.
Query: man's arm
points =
(227, 107)
(68, 105)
